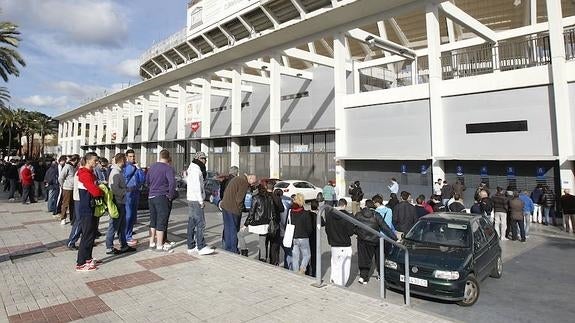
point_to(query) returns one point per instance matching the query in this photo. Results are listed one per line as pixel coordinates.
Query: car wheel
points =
(319, 197)
(471, 293)
(498, 268)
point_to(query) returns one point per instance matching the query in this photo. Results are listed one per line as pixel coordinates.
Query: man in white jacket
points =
(195, 197)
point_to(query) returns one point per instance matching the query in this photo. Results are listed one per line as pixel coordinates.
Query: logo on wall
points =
(483, 171)
(540, 173)
(510, 172)
(403, 169)
(459, 170)
(424, 169)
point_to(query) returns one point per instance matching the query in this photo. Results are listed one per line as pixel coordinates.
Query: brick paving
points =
(38, 282)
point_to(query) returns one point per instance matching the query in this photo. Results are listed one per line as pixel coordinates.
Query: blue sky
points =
(78, 49)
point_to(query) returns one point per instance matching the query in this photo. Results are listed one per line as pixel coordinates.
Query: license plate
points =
(414, 281)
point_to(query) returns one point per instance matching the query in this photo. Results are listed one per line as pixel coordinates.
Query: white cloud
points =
(128, 68)
(96, 23)
(77, 91)
(45, 101)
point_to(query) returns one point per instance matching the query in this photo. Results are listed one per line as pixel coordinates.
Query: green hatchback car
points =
(449, 255)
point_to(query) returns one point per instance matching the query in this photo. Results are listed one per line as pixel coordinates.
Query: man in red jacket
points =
(27, 182)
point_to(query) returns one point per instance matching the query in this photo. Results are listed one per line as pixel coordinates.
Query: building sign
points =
(196, 17)
(424, 169)
(195, 126)
(300, 148)
(403, 169)
(193, 111)
(483, 171)
(459, 170)
(510, 172)
(540, 173)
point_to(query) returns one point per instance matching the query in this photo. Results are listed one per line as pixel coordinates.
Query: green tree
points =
(9, 122)
(9, 57)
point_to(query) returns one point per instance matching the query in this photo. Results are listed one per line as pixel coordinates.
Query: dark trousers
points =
(514, 225)
(231, 228)
(28, 194)
(76, 227)
(89, 225)
(117, 226)
(13, 186)
(287, 256)
(39, 189)
(273, 246)
(310, 270)
(365, 252)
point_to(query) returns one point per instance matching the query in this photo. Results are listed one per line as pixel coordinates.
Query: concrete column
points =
(83, 130)
(340, 88)
(145, 118)
(100, 133)
(119, 123)
(143, 155)
(435, 101)
(236, 98)
(182, 110)
(131, 105)
(206, 114)
(109, 116)
(158, 149)
(563, 114)
(75, 129)
(437, 169)
(274, 156)
(235, 153)
(107, 154)
(162, 115)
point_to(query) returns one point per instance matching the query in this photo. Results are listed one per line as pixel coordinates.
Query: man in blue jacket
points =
(134, 177)
(528, 208)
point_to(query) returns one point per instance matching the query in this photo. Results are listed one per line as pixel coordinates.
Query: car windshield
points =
(442, 233)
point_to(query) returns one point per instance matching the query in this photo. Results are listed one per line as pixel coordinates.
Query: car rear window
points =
(442, 233)
(282, 185)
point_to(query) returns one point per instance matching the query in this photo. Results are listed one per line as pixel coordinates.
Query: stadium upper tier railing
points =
(164, 45)
(509, 54)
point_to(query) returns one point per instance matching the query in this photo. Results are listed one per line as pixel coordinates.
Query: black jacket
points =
(392, 203)
(338, 230)
(51, 178)
(500, 203)
(548, 198)
(404, 216)
(456, 207)
(303, 221)
(265, 208)
(371, 218)
(356, 193)
(447, 192)
(568, 204)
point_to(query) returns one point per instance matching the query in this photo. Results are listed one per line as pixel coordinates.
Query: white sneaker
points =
(504, 239)
(206, 251)
(63, 222)
(193, 252)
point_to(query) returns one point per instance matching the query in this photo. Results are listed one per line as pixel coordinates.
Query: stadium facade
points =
(354, 90)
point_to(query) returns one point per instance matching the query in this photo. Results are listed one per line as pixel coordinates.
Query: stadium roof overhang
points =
(350, 14)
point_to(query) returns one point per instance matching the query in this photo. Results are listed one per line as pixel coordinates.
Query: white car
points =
(309, 191)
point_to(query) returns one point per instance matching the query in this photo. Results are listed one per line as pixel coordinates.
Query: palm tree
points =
(47, 127)
(8, 121)
(4, 97)
(9, 39)
(20, 124)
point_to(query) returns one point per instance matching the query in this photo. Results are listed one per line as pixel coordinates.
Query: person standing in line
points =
(303, 222)
(119, 189)
(12, 178)
(516, 207)
(568, 205)
(287, 203)
(76, 226)
(548, 204)
(457, 204)
(394, 187)
(385, 212)
(329, 194)
(233, 172)
(134, 178)
(437, 187)
(232, 205)
(356, 196)
(66, 181)
(196, 217)
(52, 187)
(27, 184)
(367, 242)
(339, 232)
(500, 208)
(61, 163)
(161, 180)
(88, 192)
(102, 171)
(446, 194)
(404, 214)
(527, 211)
(420, 210)
(536, 195)
(39, 175)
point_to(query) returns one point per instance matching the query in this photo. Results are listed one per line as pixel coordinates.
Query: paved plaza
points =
(38, 282)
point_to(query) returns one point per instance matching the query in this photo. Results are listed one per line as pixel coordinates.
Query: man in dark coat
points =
(404, 214)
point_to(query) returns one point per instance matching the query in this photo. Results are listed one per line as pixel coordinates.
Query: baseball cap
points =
(200, 154)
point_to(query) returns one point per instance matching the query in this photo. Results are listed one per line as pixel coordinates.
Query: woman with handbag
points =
(89, 192)
(303, 229)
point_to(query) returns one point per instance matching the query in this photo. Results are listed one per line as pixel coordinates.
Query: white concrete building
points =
(354, 90)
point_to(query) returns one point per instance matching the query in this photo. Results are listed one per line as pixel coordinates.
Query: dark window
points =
(487, 228)
(295, 96)
(487, 127)
(478, 237)
(282, 185)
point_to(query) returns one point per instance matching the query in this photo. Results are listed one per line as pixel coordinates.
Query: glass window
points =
(307, 140)
(295, 141)
(487, 228)
(284, 144)
(319, 142)
(300, 185)
(330, 142)
(441, 233)
(478, 237)
(282, 185)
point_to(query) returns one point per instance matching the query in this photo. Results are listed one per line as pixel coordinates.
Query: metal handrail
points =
(382, 239)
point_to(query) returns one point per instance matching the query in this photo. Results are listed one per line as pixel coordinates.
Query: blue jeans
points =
(76, 227)
(132, 199)
(117, 226)
(231, 228)
(300, 248)
(546, 211)
(52, 199)
(287, 257)
(196, 226)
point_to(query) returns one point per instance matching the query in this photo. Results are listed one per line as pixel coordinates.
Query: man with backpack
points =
(134, 177)
(356, 196)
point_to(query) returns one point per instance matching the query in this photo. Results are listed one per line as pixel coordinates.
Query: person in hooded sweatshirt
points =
(89, 223)
(339, 232)
(367, 242)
